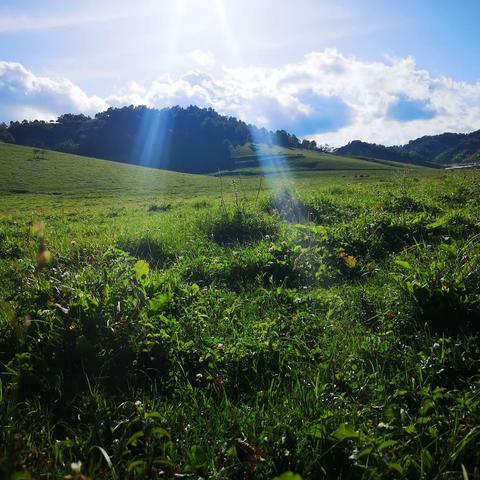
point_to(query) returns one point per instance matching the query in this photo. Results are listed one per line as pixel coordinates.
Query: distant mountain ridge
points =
(435, 150)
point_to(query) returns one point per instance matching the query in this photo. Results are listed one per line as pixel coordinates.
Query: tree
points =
(5, 135)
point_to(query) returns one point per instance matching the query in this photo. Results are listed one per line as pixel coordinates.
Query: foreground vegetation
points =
(329, 330)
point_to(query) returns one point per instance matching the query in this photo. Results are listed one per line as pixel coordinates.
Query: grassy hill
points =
(62, 173)
(55, 173)
(254, 159)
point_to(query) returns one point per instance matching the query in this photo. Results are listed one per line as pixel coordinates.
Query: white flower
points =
(76, 467)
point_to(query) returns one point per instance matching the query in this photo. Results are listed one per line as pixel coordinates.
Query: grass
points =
(252, 159)
(88, 176)
(326, 327)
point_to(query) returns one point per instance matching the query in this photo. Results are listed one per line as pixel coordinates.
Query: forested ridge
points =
(444, 149)
(192, 139)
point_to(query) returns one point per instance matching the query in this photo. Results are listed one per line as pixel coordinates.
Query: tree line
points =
(193, 139)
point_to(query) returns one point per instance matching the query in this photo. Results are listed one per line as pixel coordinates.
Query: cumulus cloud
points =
(202, 58)
(25, 95)
(326, 95)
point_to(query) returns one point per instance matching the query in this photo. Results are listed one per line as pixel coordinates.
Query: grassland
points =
(155, 324)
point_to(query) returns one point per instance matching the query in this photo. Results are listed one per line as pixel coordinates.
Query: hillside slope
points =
(429, 147)
(28, 173)
(189, 140)
(251, 159)
(23, 172)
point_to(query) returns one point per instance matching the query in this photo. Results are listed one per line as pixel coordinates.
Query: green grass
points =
(59, 174)
(225, 328)
(63, 180)
(254, 159)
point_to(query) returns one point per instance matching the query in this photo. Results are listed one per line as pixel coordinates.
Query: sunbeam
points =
(273, 164)
(152, 146)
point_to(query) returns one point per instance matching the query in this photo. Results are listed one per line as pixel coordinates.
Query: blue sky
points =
(334, 70)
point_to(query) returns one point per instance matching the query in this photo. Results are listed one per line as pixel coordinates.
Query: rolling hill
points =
(56, 173)
(267, 159)
(26, 172)
(442, 150)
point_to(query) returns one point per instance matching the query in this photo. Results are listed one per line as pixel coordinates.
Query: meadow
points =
(315, 322)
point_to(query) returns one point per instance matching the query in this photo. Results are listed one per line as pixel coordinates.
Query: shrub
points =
(146, 247)
(444, 284)
(239, 227)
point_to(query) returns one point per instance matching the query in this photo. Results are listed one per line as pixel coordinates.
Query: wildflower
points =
(43, 257)
(76, 472)
(350, 261)
(76, 467)
(38, 229)
(354, 454)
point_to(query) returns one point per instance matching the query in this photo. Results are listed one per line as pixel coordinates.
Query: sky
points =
(333, 71)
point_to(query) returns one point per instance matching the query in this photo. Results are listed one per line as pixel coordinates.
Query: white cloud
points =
(25, 95)
(202, 58)
(326, 95)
